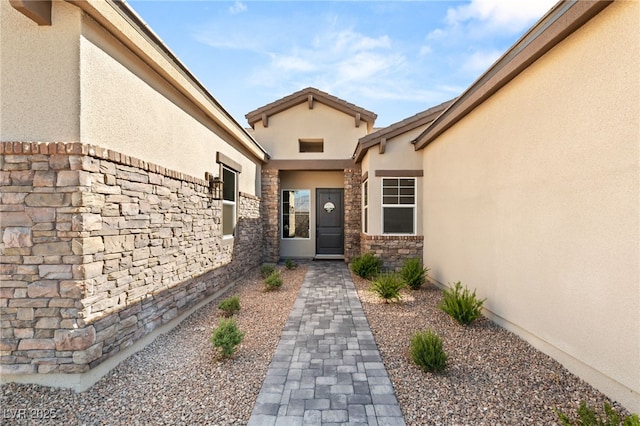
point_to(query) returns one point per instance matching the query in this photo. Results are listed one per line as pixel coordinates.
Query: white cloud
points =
(237, 7)
(500, 15)
(480, 61)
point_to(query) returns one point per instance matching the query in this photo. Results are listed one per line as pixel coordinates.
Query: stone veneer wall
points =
(271, 214)
(352, 212)
(393, 250)
(99, 249)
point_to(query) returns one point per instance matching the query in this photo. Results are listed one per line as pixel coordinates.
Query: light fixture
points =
(215, 186)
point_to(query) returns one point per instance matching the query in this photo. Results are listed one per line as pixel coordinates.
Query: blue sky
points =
(395, 58)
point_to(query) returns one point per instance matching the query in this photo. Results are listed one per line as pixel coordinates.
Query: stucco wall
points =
(399, 154)
(310, 181)
(336, 128)
(127, 107)
(533, 199)
(43, 103)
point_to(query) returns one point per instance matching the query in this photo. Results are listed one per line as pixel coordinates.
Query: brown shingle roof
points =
(304, 96)
(396, 129)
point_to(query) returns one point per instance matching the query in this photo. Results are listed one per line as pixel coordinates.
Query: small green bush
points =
(227, 337)
(267, 269)
(290, 264)
(366, 266)
(230, 306)
(462, 305)
(427, 352)
(588, 417)
(388, 286)
(413, 273)
(273, 281)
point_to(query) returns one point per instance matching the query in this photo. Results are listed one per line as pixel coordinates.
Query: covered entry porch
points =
(311, 213)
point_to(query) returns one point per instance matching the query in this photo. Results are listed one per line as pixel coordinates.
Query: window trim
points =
(414, 206)
(365, 206)
(282, 237)
(310, 146)
(233, 203)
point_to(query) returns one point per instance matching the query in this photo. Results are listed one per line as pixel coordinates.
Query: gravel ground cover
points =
(176, 380)
(493, 376)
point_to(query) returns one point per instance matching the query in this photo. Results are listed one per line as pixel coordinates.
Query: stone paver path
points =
(327, 369)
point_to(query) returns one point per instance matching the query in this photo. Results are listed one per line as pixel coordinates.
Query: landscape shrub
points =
(290, 264)
(427, 352)
(267, 269)
(461, 304)
(388, 286)
(587, 416)
(413, 273)
(230, 306)
(366, 266)
(273, 281)
(227, 337)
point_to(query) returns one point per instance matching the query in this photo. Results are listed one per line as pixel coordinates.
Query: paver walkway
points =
(327, 369)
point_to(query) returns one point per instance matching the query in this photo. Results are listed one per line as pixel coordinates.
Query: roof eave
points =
(561, 21)
(162, 60)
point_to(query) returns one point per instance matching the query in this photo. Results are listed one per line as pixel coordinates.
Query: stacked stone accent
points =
(99, 249)
(393, 250)
(271, 214)
(352, 212)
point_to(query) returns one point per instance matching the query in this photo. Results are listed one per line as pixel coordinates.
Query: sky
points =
(394, 58)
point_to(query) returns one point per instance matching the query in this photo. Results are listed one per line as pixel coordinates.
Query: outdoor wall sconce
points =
(215, 186)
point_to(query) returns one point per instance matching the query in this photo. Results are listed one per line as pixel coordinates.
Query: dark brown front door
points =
(329, 221)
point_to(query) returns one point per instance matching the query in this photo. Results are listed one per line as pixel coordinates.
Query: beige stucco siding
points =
(38, 78)
(533, 199)
(129, 108)
(335, 128)
(306, 248)
(398, 154)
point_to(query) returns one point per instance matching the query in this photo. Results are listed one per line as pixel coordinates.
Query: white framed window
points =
(399, 206)
(296, 206)
(365, 206)
(229, 197)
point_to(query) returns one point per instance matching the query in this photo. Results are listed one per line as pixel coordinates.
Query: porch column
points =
(352, 212)
(271, 214)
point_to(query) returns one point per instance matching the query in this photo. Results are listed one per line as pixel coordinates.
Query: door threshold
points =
(329, 257)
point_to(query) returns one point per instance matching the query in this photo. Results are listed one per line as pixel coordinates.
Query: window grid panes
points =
(398, 205)
(296, 205)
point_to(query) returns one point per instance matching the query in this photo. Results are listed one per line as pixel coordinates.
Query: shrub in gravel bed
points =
(227, 337)
(413, 273)
(267, 269)
(461, 304)
(427, 352)
(587, 416)
(290, 264)
(388, 286)
(229, 306)
(366, 266)
(273, 281)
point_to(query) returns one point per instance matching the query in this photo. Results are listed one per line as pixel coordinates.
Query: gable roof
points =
(396, 129)
(560, 22)
(311, 95)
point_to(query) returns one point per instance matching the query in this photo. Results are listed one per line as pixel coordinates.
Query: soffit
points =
(561, 21)
(397, 129)
(311, 95)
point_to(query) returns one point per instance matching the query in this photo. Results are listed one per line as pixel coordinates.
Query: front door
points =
(329, 221)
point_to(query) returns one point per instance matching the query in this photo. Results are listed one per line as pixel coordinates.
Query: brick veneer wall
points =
(393, 250)
(352, 212)
(99, 249)
(271, 214)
